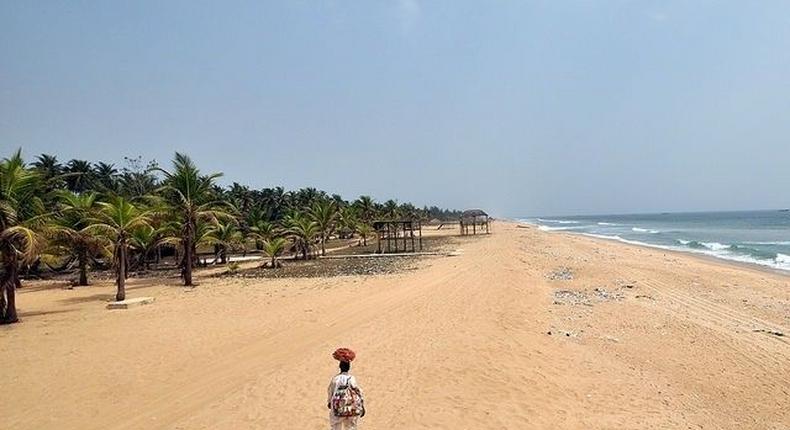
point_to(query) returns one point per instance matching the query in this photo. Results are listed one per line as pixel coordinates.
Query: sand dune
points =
(639, 338)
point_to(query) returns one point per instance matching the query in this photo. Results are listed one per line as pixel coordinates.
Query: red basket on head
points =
(344, 354)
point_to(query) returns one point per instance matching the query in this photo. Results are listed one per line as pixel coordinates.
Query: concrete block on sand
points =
(130, 303)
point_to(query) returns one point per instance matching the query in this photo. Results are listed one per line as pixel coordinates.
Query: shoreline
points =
(703, 256)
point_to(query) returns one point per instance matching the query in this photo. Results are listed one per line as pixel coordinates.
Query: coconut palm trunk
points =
(121, 281)
(8, 284)
(83, 264)
(189, 252)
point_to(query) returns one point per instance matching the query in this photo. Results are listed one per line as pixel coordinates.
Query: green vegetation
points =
(116, 222)
(273, 248)
(95, 216)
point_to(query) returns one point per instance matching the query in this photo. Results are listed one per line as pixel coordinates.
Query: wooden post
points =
(420, 236)
(411, 233)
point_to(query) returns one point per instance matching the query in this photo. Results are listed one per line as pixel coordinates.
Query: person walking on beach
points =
(344, 397)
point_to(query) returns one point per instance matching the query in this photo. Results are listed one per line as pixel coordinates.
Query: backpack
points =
(347, 400)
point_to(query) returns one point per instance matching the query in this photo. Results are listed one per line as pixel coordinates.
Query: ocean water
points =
(757, 237)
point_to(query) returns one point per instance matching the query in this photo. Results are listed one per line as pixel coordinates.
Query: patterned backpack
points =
(347, 400)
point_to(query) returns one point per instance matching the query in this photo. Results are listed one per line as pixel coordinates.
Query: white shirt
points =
(342, 379)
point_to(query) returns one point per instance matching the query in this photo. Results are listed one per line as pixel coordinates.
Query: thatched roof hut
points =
(473, 213)
(474, 218)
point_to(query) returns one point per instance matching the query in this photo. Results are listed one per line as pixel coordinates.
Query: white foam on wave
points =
(715, 246)
(777, 242)
(783, 259)
(607, 223)
(644, 230)
(723, 252)
(632, 242)
(558, 221)
(547, 228)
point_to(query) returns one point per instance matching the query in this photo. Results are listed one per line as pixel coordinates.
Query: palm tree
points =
(364, 230)
(225, 235)
(391, 209)
(106, 177)
(367, 208)
(240, 197)
(262, 231)
(48, 166)
(51, 174)
(79, 175)
(323, 213)
(347, 221)
(144, 240)
(274, 200)
(68, 229)
(116, 221)
(302, 231)
(305, 197)
(408, 211)
(190, 195)
(19, 242)
(273, 248)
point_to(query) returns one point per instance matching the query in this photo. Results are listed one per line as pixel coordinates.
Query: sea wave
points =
(782, 259)
(607, 223)
(629, 241)
(715, 246)
(735, 253)
(558, 221)
(548, 228)
(776, 242)
(644, 230)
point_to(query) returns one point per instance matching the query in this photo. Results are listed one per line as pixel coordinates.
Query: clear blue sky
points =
(520, 107)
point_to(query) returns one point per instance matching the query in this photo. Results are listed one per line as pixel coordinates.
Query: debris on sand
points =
(582, 297)
(561, 274)
(571, 297)
(624, 284)
(563, 333)
(602, 294)
(769, 331)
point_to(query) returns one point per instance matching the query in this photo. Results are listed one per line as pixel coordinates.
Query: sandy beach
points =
(522, 329)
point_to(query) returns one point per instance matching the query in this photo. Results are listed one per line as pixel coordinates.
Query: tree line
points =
(54, 216)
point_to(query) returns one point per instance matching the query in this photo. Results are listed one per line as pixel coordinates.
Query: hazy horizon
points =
(522, 109)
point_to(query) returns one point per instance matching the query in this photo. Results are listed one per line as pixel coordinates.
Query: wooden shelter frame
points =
(474, 218)
(398, 236)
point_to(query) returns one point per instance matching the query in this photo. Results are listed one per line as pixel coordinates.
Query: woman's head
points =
(345, 366)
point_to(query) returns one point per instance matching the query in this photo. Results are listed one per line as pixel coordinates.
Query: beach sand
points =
(639, 338)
